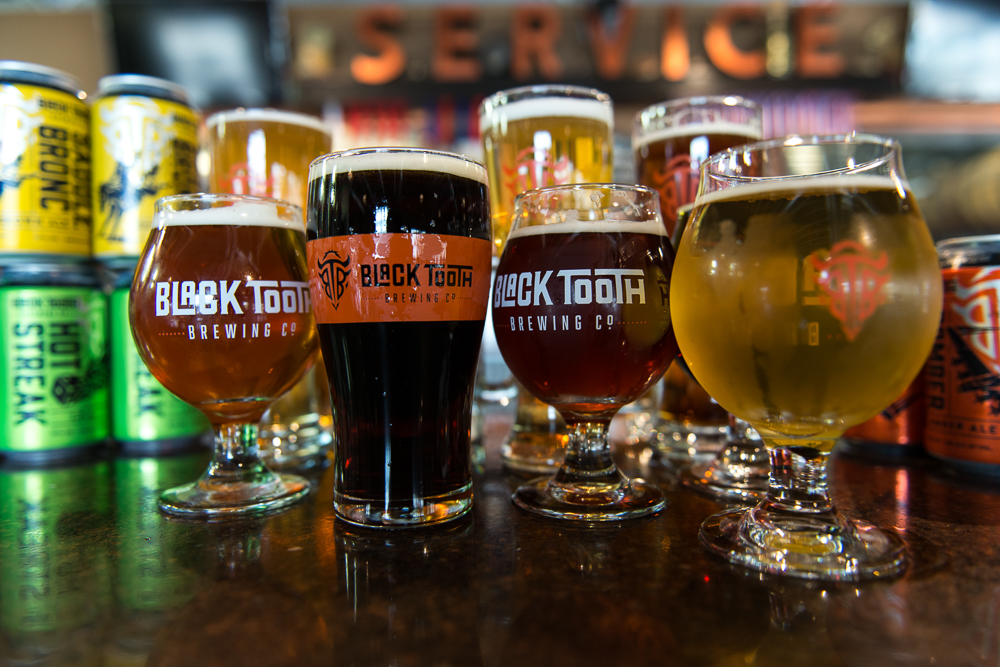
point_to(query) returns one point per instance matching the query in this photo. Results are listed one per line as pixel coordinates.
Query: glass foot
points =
(629, 499)
(824, 547)
(208, 498)
(533, 453)
(737, 474)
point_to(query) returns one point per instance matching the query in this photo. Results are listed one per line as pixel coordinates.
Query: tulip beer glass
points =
(221, 314)
(806, 297)
(581, 317)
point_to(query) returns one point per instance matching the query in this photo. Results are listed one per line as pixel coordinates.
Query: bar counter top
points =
(92, 574)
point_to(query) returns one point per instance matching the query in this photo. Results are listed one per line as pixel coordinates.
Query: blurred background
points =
(413, 72)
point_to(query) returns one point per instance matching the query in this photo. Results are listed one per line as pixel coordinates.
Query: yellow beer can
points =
(145, 139)
(44, 162)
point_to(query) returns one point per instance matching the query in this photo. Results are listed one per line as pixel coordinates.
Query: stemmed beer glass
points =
(221, 314)
(806, 297)
(581, 317)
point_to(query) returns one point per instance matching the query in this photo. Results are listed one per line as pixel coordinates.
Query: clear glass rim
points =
(511, 95)
(568, 187)
(211, 197)
(318, 167)
(854, 138)
(267, 114)
(695, 101)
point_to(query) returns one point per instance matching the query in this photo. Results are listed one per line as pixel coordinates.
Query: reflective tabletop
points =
(92, 574)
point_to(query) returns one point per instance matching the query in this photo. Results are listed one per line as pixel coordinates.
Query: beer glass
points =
(221, 315)
(581, 316)
(806, 297)
(266, 152)
(538, 136)
(399, 270)
(670, 140)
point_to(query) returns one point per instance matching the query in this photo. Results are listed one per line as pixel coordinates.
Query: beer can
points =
(55, 570)
(963, 371)
(145, 139)
(896, 431)
(145, 417)
(44, 162)
(53, 360)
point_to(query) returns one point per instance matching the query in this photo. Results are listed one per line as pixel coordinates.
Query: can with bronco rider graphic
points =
(145, 139)
(963, 371)
(53, 360)
(44, 162)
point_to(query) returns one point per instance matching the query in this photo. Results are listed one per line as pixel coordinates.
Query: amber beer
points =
(538, 136)
(399, 272)
(670, 140)
(805, 359)
(200, 306)
(568, 293)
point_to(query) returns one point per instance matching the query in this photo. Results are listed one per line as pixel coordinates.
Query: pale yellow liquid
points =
(758, 333)
(585, 143)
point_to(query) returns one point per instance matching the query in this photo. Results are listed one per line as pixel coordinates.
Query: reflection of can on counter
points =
(963, 371)
(44, 162)
(53, 360)
(145, 417)
(55, 573)
(897, 430)
(145, 140)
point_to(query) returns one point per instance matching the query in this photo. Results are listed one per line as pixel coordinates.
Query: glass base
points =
(533, 453)
(375, 514)
(208, 499)
(682, 444)
(823, 547)
(738, 474)
(629, 499)
(300, 445)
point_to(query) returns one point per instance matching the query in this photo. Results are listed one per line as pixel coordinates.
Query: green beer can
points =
(55, 574)
(146, 418)
(53, 360)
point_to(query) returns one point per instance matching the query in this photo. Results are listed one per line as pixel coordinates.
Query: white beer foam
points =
(776, 188)
(238, 214)
(695, 130)
(375, 160)
(654, 226)
(548, 107)
(267, 116)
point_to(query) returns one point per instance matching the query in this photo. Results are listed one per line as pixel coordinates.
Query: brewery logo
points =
(535, 168)
(853, 279)
(977, 304)
(334, 273)
(677, 183)
(137, 135)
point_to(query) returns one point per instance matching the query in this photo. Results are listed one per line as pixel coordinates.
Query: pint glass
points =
(221, 315)
(533, 137)
(267, 152)
(399, 273)
(669, 142)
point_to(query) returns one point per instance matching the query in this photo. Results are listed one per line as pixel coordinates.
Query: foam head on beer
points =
(259, 212)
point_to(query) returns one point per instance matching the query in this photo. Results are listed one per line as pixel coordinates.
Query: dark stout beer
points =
(581, 314)
(400, 276)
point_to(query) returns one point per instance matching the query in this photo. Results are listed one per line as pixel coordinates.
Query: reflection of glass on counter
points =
(54, 571)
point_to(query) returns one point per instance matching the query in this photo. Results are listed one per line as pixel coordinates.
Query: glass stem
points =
(236, 457)
(798, 480)
(588, 456)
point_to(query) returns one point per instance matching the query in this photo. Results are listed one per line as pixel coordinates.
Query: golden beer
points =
(265, 152)
(539, 136)
(806, 328)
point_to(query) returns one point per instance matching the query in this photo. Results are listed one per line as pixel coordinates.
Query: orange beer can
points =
(897, 430)
(963, 371)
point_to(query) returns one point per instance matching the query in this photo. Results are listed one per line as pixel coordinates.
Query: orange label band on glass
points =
(399, 278)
